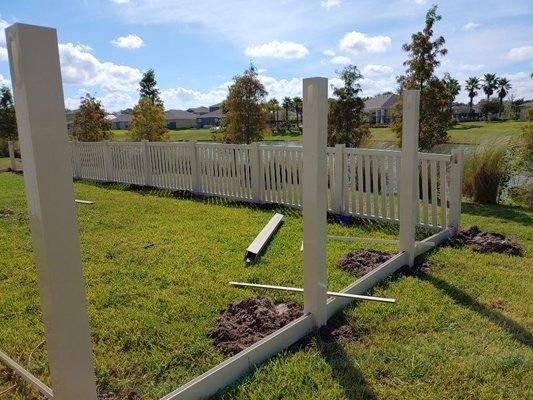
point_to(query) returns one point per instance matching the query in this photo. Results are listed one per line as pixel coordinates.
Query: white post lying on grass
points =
(409, 177)
(300, 290)
(315, 124)
(12, 161)
(40, 110)
(456, 189)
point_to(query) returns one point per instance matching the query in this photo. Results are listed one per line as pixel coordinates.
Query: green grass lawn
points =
(463, 133)
(461, 332)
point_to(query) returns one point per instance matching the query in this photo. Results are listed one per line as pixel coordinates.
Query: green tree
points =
(148, 87)
(453, 88)
(244, 110)
(346, 117)
(273, 108)
(472, 85)
(490, 84)
(90, 122)
(8, 120)
(435, 112)
(287, 106)
(297, 106)
(148, 121)
(504, 85)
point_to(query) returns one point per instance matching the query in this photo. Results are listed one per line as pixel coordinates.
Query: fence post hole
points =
(12, 161)
(147, 168)
(108, 161)
(40, 111)
(409, 173)
(255, 173)
(195, 170)
(338, 179)
(315, 109)
(456, 188)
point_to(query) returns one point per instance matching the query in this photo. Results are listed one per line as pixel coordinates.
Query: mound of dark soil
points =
(361, 262)
(485, 242)
(336, 330)
(242, 324)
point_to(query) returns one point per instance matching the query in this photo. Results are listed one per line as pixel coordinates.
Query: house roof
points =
(122, 118)
(526, 104)
(384, 101)
(179, 114)
(218, 105)
(199, 110)
(212, 114)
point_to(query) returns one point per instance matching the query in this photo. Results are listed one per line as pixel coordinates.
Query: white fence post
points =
(195, 170)
(11, 148)
(338, 179)
(108, 161)
(409, 173)
(315, 109)
(456, 189)
(255, 173)
(77, 159)
(147, 167)
(40, 110)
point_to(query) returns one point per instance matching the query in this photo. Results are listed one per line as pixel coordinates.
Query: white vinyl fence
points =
(361, 182)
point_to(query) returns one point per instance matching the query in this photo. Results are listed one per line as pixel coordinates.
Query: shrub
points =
(148, 122)
(487, 171)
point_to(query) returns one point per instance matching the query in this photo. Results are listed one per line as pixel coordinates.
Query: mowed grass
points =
(462, 133)
(462, 332)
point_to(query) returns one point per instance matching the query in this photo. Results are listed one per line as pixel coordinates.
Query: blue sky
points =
(196, 47)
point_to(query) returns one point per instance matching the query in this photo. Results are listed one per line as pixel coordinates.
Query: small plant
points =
(487, 171)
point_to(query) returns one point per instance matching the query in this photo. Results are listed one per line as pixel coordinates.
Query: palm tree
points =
(452, 87)
(472, 85)
(490, 84)
(503, 87)
(287, 105)
(275, 104)
(297, 104)
(272, 107)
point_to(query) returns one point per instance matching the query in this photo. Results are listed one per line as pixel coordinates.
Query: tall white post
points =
(456, 189)
(338, 179)
(315, 124)
(409, 177)
(11, 149)
(40, 109)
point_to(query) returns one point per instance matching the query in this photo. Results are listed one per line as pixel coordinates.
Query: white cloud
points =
(183, 98)
(471, 67)
(128, 42)
(80, 67)
(3, 54)
(329, 53)
(340, 60)
(376, 69)
(120, 1)
(277, 49)
(280, 88)
(330, 3)
(420, 1)
(4, 81)
(357, 42)
(522, 84)
(3, 25)
(520, 53)
(470, 26)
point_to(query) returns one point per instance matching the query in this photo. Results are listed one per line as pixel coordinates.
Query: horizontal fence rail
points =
(361, 182)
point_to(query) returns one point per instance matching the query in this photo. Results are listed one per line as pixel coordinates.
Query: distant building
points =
(199, 110)
(121, 121)
(209, 120)
(523, 109)
(379, 108)
(180, 119)
(215, 107)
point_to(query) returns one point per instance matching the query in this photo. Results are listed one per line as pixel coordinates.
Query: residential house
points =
(379, 108)
(199, 110)
(179, 119)
(215, 107)
(209, 120)
(121, 121)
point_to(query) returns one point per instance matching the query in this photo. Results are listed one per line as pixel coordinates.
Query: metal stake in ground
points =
(40, 109)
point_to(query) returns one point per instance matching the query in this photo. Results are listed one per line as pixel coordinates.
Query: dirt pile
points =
(242, 324)
(336, 330)
(485, 242)
(361, 262)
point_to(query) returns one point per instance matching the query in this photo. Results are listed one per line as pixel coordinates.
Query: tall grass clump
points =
(487, 171)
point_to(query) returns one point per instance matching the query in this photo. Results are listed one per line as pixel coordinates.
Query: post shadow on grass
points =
(517, 331)
(503, 212)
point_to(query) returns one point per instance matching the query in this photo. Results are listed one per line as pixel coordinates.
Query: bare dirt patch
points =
(244, 323)
(485, 242)
(6, 212)
(361, 262)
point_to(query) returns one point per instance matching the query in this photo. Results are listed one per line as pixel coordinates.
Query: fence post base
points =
(456, 189)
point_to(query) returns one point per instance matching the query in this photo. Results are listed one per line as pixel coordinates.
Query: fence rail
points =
(361, 182)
